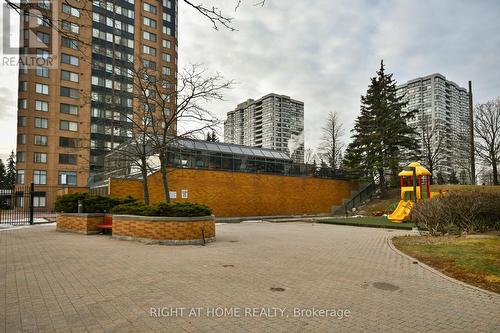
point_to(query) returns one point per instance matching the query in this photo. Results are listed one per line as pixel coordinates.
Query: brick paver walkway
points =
(52, 281)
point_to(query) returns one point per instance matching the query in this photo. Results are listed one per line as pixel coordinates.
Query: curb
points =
(436, 272)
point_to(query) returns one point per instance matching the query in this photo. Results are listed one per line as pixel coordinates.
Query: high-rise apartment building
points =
(72, 113)
(445, 106)
(273, 122)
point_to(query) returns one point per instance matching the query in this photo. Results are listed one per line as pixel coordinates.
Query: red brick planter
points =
(79, 223)
(165, 230)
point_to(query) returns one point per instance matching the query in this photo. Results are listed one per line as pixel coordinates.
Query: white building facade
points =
(445, 105)
(273, 121)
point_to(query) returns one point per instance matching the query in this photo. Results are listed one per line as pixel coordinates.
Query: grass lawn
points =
(369, 221)
(472, 259)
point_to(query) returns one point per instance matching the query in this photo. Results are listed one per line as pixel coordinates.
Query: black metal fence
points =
(27, 204)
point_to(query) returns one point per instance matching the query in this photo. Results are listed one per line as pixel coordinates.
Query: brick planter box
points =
(165, 230)
(79, 223)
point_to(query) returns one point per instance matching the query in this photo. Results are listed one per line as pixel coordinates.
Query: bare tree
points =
(309, 156)
(331, 146)
(170, 114)
(487, 130)
(432, 143)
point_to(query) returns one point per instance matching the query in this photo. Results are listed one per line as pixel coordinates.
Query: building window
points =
(42, 89)
(67, 178)
(42, 71)
(70, 92)
(22, 103)
(67, 159)
(149, 22)
(43, 21)
(69, 76)
(40, 177)
(44, 54)
(165, 71)
(68, 125)
(70, 26)
(20, 156)
(71, 43)
(45, 4)
(20, 177)
(70, 10)
(42, 106)
(22, 121)
(69, 109)
(150, 36)
(40, 157)
(149, 64)
(43, 37)
(68, 142)
(149, 8)
(23, 69)
(23, 86)
(41, 122)
(69, 59)
(21, 139)
(166, 43)
(167, 17)
(41, 140)
(39, 199)
(149, 50)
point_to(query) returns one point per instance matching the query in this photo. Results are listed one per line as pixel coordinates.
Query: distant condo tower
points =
(273, 121)
(447, 106)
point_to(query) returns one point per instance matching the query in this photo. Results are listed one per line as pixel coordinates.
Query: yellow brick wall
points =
(163, 230)
(78, 223)
(244, 194)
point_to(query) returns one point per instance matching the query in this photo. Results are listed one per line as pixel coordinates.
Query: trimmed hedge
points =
(68, 203)
(178, 209)
(459, 212)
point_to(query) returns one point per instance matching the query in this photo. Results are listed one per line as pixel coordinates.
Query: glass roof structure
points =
(228, 148)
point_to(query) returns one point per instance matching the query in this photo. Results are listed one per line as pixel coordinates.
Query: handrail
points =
(362, 194)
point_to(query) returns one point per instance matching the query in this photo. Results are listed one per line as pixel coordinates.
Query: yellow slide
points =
(402, 212)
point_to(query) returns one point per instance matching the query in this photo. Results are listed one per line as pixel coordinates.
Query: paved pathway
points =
(52, 281)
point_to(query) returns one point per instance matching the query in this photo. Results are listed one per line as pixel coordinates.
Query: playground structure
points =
(412, 190)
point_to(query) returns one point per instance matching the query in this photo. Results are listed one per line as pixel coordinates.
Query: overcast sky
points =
(323, 52)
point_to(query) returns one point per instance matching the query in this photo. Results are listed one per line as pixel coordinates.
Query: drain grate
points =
(277, 289)
(385, 286)
(228, 265)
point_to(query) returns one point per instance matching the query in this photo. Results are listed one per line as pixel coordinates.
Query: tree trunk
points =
(164, 177)
(145, 187)
(495, 171)
(382, 183)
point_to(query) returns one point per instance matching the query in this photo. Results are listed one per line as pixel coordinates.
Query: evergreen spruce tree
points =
(380, 133)
(3, 175)
(440, 178)
(209, 137)
(11, 171)
(452, 179)
(215, 138)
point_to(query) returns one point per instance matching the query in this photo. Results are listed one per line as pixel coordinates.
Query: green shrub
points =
(131, 208)
(91, 203)
(184, 209)
(459, 212)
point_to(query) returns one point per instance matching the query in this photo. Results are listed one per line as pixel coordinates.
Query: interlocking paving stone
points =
(60, 282)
